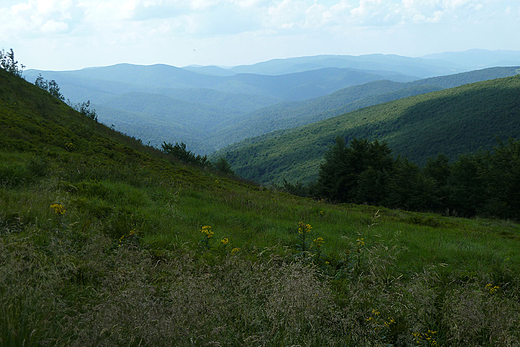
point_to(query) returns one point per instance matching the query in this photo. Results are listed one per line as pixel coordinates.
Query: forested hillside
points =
(289, 115)
(107, 242)
(453, 121)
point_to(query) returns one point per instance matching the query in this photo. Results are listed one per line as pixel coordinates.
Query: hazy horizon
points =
(74, 34)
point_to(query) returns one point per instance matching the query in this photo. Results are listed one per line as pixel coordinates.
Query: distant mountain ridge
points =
(425, 66)
(226, 96)
(237, 101)
(372, 62)
(290, 115)
(478, 58)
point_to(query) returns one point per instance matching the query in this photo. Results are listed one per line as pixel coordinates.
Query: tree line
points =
(486, 183)
(182, 154)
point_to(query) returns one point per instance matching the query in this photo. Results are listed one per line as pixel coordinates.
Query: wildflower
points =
(492, 289)
(319, 242)
(417, 337)
(225, 240)
(304, 228)
(235, 250)
(360, 242)
(132, 232)
(121, 240)
(59, 209)
(207, 230)
(390, 322)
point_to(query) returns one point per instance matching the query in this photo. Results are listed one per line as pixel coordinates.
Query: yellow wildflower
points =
(390, 321)
(304, 228)
(319, 241)
(225, 240)
(58, 209)
(235, 250)
(492, 289)
(207, 230)
(360, 242)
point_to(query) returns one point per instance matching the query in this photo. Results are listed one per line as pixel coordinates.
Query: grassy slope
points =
(124, 265)
(453, 121)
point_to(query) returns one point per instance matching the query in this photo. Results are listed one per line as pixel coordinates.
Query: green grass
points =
(126, 263)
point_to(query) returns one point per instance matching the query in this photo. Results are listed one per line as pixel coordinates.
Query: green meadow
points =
(107, 242)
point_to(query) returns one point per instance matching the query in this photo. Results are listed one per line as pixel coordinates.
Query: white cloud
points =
(53, 26)
(161, 25)
(435, 11)
(34, 17)
(250, 3)
(376, 13)
(286, 14)
(203, 4)
(317, 15)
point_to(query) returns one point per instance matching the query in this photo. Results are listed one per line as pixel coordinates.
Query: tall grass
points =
(123, 266)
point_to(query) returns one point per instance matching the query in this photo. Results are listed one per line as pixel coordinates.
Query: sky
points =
(74, 34)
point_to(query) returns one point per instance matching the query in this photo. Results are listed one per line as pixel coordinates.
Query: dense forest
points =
(485, 183)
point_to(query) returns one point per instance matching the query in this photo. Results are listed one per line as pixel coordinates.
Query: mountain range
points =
(209, 108)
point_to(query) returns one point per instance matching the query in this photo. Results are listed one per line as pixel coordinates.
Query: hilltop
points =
(105, 241)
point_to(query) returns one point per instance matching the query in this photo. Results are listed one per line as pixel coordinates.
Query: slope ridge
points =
(451, 121)
(290, 115)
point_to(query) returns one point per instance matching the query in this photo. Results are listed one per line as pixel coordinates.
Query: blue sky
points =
(73, 34)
